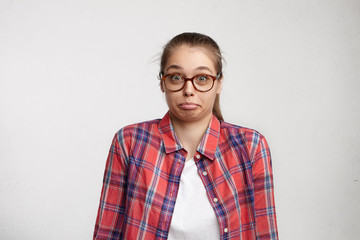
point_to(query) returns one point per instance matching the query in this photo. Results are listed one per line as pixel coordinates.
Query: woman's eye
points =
(176, 78)
(203, 78)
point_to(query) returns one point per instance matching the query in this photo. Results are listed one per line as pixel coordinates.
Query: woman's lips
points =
(188, 106)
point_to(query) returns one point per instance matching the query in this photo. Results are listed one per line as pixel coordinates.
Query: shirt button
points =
(215, 200)
(204, 173)
(226, 230)
(198, 156)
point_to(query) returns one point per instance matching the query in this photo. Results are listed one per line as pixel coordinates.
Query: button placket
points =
(178, 166)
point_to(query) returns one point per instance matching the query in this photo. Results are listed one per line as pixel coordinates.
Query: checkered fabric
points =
(142, 177)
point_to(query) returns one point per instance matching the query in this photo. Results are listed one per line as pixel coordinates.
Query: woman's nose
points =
(188, 89)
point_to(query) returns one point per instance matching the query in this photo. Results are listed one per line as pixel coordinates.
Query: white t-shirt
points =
(193, 217)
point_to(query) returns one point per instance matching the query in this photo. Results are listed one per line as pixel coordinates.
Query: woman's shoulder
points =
(243, 138)
(137, 133)
(237, 130)
(139, 128)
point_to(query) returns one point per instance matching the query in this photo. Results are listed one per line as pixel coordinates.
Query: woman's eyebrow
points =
(173, 67)
(203, 68)
(177, 67)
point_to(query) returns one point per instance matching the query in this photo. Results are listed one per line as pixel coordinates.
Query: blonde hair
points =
(195, 40)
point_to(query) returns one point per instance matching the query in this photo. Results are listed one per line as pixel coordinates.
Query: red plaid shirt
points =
(143, 172)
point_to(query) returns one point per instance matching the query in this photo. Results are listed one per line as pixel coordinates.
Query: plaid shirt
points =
(143, 172)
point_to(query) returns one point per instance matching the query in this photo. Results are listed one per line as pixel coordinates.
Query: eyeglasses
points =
(202, 82)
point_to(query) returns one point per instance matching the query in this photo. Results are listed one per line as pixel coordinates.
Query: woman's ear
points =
(220, 85)
(162, 86)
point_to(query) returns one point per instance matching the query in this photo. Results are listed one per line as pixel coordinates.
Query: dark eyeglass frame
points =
(217, 77)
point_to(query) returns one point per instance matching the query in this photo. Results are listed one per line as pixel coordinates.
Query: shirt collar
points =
(207, 145)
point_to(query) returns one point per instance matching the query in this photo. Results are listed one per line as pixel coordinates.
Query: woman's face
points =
(188, 104)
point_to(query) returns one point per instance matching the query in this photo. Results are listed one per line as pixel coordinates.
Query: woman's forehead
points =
(177, 67)
(190, 58)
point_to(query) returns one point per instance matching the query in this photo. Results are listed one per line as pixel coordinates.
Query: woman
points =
(188, 175)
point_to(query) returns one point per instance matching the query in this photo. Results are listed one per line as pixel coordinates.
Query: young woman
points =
(189, 175)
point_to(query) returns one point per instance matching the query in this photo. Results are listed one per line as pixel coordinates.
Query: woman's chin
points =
(189, 116)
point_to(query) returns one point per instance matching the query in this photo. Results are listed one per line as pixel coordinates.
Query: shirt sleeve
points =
(110, 218)
(264, 204)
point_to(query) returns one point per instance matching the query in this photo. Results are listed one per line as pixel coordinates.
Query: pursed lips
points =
(188, 106)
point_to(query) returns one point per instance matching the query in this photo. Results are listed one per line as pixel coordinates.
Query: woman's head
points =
(204, 44)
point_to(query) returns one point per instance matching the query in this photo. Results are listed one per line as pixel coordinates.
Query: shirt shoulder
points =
(243, 138)
(140, 129)
(141, 133)
(237, 130)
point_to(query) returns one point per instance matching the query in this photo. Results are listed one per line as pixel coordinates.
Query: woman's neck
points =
(190, 134)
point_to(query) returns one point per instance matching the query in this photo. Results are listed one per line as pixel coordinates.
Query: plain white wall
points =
(74, 72)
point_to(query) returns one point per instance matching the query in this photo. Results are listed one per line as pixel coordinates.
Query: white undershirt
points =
(193, 217)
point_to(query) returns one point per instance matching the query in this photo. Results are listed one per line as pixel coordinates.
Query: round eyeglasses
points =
(202, 82)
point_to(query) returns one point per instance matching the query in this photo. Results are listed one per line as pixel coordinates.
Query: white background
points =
(74, 72)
